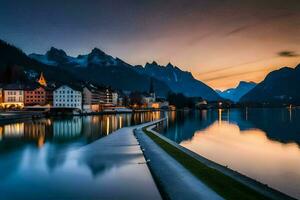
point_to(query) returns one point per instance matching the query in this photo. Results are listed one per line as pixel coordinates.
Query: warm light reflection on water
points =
(89, 127)
(43, 159)
(260, 143)
(250, 152)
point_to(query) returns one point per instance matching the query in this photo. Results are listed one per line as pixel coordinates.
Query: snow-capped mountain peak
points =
(58, 57)
(234, 94)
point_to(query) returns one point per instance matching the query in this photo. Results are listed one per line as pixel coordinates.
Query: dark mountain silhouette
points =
(16, 66)
(179, 81)
(100, 68)
(234, 94)
(279, 86)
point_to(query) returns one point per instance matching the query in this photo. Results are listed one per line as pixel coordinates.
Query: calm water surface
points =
(260, 143)
(39, 158)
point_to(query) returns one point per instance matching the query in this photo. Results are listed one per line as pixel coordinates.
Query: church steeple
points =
(42, 80)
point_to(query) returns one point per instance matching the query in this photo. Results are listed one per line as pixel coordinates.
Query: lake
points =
(261, 143)
(41, 159)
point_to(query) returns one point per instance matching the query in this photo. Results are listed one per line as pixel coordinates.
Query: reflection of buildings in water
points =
(246, 113)
(1, 132)
(156, 115)
(128, 118)
(171, 118)
(220, 116)
(13, 130)
(92, 126)
(112, 123)
(107, 125)
(204, 114)
(290, 113)
(228, 115)
(120, 121)
(37, 131)
(33, 130)
(67, 128)
(97, 126)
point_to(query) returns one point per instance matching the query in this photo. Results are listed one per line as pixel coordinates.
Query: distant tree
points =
(136, 98)
(126, 101)
(7, 74)
(13, 74)
(180, 101)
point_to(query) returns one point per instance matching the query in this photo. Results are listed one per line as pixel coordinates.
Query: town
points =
(76, 99)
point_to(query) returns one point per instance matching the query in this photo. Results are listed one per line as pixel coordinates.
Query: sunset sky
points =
(220, 41)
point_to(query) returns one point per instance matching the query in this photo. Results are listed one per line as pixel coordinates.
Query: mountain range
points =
(279, 86)
(234, 94)
(100, 68)
(178, 80)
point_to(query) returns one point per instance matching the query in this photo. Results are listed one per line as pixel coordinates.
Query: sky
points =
(220, 41)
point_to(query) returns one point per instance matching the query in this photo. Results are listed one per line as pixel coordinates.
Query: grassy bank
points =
(224, 185)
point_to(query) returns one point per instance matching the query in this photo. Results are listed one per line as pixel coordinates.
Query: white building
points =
(115, 98)
(13, 95)
(67, 97)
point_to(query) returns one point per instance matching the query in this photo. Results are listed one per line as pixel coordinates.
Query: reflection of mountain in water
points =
(183, 125)
(280, 124)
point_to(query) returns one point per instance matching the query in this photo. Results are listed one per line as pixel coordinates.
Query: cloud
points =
(237, 30)
(234, 74)
(220, 69)
(198, 38)
(288, 54)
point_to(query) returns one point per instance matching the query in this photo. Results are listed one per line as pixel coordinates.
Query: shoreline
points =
(242, 179)
(8, 117)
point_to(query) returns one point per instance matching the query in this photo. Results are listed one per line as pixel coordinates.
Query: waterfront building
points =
(149, 99)
(158, 105)
(92, 98)
(13, 96)
(49, 95)
(106, 98)
(35, 95)
(114, 98)
(67, 128)
(67, 96)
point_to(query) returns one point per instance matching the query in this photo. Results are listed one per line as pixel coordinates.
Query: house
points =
(115, 97)
(34, 95)
(67, 96)
(149, 99)
(13, 96)
(160, 103)
(92, 98)
(49, 94)
(106, 98)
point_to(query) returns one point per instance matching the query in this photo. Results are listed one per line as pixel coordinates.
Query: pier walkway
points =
(121, 154)
(177, 182)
